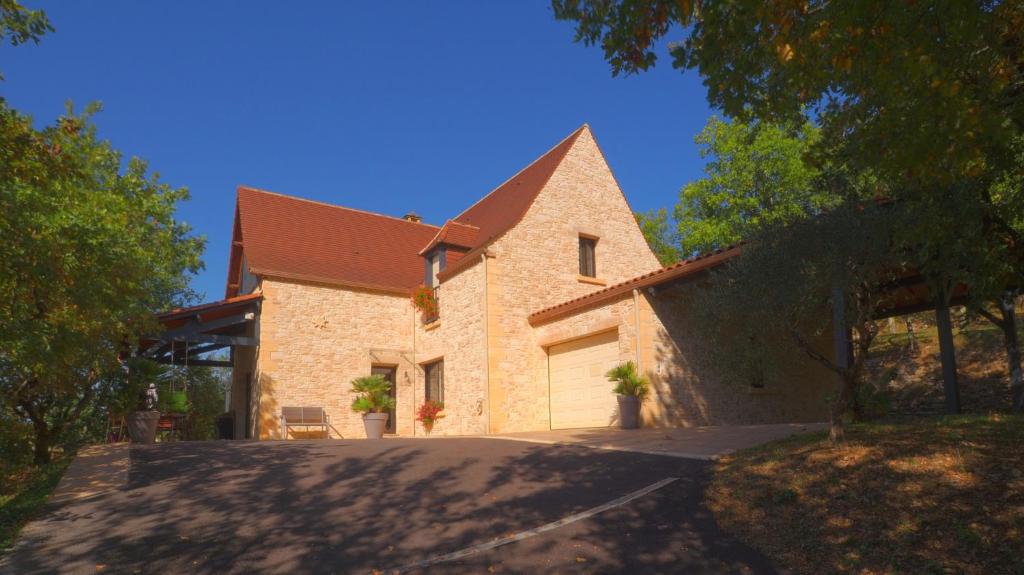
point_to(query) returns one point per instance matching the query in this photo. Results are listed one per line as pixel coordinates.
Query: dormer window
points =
(434, 264)
(588, 262)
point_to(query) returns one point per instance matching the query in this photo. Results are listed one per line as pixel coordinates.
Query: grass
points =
(23, 493)
(941, 496)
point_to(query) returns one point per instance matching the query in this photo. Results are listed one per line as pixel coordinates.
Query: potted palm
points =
(373, 400)
(631, 388)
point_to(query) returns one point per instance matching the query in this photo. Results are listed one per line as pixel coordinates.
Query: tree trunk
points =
(947, 354)
(1012, 352)
(41, 446)
(837, 430)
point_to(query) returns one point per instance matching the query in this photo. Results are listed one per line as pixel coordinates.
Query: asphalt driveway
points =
(358, 506)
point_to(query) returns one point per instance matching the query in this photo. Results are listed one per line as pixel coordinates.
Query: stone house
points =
(543, 285)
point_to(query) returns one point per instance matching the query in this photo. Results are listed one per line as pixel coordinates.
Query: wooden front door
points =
(389, 373)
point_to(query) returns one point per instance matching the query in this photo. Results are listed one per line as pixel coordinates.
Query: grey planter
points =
(629, 411)
(375, 424)
(142, 426)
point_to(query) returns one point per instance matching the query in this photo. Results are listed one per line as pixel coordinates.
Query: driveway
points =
(354, 506)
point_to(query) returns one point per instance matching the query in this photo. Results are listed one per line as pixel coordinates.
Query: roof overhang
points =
(191, 332)
(662, 276)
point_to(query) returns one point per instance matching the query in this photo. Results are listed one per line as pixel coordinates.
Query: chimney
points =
(412, 217)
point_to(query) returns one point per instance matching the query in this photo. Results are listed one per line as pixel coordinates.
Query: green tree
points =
(926, 92)
(660, 234)
(928, 97)
(88, 251)
(788, 289)
(756, 175)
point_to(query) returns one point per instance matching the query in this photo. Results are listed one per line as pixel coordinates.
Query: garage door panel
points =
(581, 395)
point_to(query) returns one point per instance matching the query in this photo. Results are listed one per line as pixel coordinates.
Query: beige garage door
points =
(581, 395)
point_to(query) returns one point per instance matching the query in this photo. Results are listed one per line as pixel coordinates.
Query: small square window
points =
(434, 377)
(588, 263)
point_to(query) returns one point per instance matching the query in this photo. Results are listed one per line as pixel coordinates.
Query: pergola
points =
(190, 333)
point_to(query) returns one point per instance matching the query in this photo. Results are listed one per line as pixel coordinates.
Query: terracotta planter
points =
(428, 427)
(142, 426)
(375, 424)
(629, 411)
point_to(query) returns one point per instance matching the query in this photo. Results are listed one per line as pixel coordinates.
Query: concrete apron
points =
(705, 443)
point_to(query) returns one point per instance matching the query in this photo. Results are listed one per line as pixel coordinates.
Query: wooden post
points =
(947, 353)
(840, 335)
(840, 332)
(1006, 304)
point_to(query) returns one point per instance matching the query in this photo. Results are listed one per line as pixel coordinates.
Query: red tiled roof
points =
(455, 234)
(301, 239)
(501, 209)
(663, 275)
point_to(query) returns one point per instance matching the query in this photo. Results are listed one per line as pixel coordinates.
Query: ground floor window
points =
(434, 376)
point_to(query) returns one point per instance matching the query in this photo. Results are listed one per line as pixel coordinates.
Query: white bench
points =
(304, 417)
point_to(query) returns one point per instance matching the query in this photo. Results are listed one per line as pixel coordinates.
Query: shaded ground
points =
(355, 506)
(939, 496)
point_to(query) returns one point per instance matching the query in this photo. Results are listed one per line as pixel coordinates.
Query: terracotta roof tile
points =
(307, 240)
(456, 234)
(498, 211)
(302, 239)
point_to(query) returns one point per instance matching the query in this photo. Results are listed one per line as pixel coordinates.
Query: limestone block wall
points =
(314, 339)
(536, 265)
(688, 389)
(458, 339)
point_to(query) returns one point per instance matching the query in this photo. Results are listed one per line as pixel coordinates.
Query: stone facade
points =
(457, 338)
(315, 338)
(536, 265)
(687, 389)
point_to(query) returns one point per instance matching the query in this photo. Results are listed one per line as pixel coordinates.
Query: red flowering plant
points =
(425, 300)
(428, 413)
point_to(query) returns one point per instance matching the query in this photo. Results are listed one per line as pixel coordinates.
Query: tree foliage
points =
(927, 89)
(19, 25)
(89, 250)
(926, 97)
(660, 234)
(773, 302)
(757, 175)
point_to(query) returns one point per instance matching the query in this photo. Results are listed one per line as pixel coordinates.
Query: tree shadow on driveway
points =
(355, 506)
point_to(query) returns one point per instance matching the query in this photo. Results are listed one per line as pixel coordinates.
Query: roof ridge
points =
(574, 133)
(329, 205)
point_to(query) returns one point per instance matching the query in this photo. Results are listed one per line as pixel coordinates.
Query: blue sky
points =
(387, 107)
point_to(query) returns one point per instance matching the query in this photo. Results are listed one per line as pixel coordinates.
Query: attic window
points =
(588, 263)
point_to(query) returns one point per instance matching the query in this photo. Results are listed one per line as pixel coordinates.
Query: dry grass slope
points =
(942, 496)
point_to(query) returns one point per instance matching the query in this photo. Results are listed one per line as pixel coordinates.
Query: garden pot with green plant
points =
(632, 388)
(428, 413)
(373, 399)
